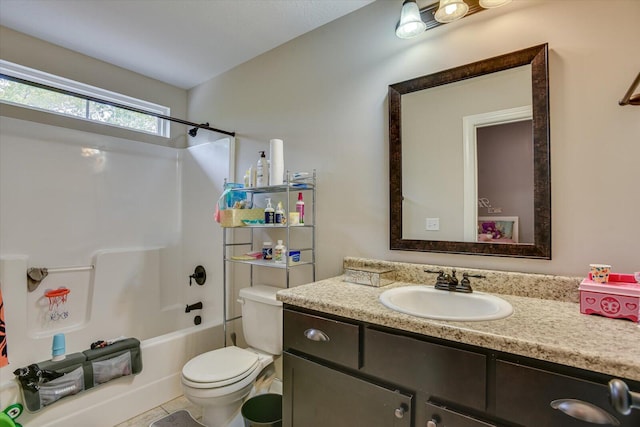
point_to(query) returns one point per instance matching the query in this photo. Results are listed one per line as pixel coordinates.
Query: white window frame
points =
(40, 77)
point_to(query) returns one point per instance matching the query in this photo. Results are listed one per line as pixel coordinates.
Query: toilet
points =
(220, 380)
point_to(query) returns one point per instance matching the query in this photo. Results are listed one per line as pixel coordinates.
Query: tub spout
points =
(196, 306)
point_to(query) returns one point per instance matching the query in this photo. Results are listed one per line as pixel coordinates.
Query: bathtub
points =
(150, 318)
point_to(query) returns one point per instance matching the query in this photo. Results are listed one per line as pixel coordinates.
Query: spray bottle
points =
(300, 208)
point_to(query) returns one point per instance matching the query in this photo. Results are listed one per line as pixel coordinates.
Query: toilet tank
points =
(262, 318)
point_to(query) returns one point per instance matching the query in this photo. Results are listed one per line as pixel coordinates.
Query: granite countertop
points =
(543, 329)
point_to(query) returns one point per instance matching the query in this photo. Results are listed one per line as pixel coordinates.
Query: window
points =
(27, 92)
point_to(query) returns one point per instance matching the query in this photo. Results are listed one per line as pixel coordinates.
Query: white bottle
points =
(280, 253)
(269, 215)
(262, 171)
(279, 214)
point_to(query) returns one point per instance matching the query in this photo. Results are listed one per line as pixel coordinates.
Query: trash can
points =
(263, 410)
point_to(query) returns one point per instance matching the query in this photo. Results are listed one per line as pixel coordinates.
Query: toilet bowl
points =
(220, 380)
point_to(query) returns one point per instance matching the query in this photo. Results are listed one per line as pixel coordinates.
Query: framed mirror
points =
(469, 160)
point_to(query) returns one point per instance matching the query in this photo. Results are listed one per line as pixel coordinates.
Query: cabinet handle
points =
(431, 423)
(621, 398)
(399, 412)
(316, 335)
(584, 411)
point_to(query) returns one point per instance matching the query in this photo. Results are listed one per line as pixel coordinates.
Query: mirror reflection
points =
(469, 158)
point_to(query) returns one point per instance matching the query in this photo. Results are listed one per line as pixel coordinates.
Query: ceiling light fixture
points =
(414, 21)
(451, 10)
(490, 4)
(411, 24)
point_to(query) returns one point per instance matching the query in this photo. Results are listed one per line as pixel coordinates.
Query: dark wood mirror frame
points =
(536, 56)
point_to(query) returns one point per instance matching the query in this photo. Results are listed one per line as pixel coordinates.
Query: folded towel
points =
(34, 277)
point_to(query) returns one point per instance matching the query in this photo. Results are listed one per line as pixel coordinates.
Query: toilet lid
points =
(220, 365)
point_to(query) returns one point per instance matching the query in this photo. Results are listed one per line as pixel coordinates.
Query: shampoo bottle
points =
(269, 213)
(300, 208)
(279, 214)
(262, 171)
(280, 253)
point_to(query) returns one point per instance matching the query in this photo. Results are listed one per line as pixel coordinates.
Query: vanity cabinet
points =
(318, 396)
(343, 372)
(441, 372)
(524, 395)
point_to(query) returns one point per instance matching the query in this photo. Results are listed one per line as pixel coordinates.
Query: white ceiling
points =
(180, 42)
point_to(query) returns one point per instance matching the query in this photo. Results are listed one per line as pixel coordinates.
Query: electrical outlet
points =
(432, 224)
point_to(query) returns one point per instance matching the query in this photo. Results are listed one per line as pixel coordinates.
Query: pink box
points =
(618, 300)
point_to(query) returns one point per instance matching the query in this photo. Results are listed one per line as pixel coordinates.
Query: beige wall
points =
(34, 53)
(325, 94)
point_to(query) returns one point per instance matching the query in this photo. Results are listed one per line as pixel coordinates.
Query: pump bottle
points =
(269, 213)
(279, 214)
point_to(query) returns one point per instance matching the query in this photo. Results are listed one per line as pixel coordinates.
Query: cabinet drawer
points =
(334, 341)
(443, 417)
(524, 395)
(444, 373)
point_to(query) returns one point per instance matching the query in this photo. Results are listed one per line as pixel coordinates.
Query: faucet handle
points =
(477, 276)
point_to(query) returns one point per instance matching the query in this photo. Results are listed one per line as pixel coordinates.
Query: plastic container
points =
(280, 253)
(264, 410)
(267, 251)
(618, 299)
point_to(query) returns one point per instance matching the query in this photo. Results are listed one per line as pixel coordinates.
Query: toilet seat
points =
(219, 368)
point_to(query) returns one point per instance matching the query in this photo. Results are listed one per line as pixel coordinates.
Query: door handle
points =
(316, 335)
(621, 398)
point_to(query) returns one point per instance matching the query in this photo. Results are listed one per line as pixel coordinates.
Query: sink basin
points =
(431, 303)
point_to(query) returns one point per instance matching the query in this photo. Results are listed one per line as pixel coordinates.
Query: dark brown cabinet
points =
(341, 372)
(318, 396)
(441, 372)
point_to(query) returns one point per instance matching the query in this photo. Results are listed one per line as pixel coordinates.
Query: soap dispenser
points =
(269, 213)
(279, 214)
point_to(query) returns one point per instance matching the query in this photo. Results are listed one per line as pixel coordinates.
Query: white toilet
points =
(221, 379)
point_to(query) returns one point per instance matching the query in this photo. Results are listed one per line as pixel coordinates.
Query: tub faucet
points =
(196, 306)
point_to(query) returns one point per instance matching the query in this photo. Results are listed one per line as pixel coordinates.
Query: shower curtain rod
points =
(117, 105)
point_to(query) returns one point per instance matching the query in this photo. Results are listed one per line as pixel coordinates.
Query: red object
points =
(619, 278)
(614, 299)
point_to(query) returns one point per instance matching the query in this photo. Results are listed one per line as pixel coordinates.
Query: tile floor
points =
(144, 419)
(268, 384)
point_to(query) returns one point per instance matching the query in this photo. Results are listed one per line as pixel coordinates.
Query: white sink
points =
(426, 301)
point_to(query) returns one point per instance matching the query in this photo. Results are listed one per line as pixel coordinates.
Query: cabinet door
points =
(444, 373)
(524, 395)
(317, 396)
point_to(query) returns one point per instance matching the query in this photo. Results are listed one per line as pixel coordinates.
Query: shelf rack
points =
(306, 185)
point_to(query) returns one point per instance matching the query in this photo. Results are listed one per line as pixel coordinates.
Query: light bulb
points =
(411, 23)
(451, 10)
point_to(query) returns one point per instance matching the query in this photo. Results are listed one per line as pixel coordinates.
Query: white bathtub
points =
(163, 353)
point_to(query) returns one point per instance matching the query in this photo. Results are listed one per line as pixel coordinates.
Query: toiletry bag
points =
(81, 371)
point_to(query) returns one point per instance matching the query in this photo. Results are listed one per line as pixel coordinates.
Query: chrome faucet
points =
(449, 282)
